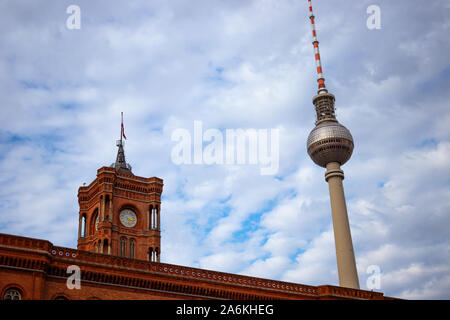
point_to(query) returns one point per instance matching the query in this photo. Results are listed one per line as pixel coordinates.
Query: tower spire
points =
(330, 145)
(320, 77)
(121, 165)
(323, 101)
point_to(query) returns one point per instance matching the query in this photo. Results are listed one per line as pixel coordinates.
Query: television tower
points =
(330, 145)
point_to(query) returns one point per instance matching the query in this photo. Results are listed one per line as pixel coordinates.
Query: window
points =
(13, 294)
(94, 222)
(156, 219)
(132, 245)
(83, 226)
(150, 217)
(150, 254)
(105, 246)
(123, 247)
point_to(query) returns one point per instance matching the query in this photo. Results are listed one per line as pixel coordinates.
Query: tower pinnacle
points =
(121, 165)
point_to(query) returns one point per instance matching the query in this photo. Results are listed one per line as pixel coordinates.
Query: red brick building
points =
(36, 269)
(119, 250)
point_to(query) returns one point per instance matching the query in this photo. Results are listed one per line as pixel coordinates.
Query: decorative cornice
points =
(168, 271)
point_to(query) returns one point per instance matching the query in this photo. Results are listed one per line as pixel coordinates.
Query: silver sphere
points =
(329, 142)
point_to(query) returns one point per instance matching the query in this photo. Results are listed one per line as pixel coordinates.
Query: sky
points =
(229, 65)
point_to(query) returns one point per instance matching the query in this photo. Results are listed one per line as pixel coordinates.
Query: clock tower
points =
(120, 213)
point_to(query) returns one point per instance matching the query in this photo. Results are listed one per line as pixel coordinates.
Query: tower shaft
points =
(345, 256)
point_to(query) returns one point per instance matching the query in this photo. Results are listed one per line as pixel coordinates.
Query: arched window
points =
(105, 246)
(13, 294)
(95, 220)
(132, 245)
(83, 226)
(150, 217)
(123, 247)
(150, 254)
(156, 220)
(107, 208)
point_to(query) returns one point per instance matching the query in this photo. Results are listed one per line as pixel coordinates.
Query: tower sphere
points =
(329, 142)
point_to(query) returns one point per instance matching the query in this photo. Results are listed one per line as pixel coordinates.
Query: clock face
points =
(128, 218)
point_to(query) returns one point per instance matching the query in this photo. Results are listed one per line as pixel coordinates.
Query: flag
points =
(123, 130)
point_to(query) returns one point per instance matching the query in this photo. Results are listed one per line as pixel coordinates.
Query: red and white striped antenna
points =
(320, 78)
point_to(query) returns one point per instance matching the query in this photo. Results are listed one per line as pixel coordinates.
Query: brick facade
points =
(38, 269)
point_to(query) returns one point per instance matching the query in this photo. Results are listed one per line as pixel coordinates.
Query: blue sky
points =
(237, 64)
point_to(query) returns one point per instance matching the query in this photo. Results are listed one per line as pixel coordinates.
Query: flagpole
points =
(121, 128)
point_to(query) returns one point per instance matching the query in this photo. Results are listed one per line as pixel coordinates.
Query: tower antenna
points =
(320, 78)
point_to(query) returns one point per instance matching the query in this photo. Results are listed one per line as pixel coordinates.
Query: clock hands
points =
(128, 219)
